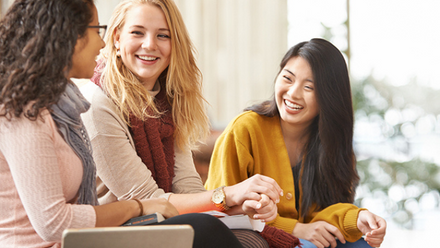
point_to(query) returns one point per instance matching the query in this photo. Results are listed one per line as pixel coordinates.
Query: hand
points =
(320, 233)
(251, 188)
(160, 205)
(265, 209)
(373, 226)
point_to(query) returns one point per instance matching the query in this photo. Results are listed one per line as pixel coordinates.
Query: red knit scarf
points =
(277, 238)
(154, 142)
(153, 138)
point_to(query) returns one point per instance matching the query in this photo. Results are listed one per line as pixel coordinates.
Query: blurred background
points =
(392, 49)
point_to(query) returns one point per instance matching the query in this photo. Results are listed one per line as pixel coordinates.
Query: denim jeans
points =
(361, 243)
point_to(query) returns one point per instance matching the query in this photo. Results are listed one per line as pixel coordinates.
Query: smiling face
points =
(295, 94)
(145, 43)
(86, 50)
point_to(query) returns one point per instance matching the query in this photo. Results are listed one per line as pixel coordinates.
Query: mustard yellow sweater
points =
(253, 144)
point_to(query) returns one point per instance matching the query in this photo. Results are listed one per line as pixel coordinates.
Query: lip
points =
(147, 62)
(291, 110)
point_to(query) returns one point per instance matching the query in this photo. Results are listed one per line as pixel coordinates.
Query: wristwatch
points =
(219, 198)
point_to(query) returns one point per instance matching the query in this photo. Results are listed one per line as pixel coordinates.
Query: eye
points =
(136, 32)
(287, 78)
(164, 36)
(309, 87)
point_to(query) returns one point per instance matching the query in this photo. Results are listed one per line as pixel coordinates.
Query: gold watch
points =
(219, 198)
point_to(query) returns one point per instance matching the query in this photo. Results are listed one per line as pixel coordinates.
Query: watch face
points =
(217, 197)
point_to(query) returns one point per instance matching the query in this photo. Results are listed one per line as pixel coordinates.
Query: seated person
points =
(303, 138)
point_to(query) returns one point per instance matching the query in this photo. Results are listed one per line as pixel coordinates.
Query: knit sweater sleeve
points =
(186, 179)
(344, 217)
(122, 174)
(40, 161)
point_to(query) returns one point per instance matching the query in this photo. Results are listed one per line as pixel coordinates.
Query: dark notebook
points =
(145, 220)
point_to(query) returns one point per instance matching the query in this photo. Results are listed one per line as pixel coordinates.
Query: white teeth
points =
(147, 58)
(293, 105)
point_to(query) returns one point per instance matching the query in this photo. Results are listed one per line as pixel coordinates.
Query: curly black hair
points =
(37, 41)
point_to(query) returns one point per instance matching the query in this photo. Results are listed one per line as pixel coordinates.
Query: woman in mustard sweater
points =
(302, 138)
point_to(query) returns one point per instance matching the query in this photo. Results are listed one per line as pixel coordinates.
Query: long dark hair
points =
(37, 41)
(328, 173)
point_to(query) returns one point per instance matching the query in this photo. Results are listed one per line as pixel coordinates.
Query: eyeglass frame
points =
(100, 27)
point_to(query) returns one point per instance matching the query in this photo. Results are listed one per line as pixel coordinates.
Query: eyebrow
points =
(309, 80)
(289, 72)
(140, 26)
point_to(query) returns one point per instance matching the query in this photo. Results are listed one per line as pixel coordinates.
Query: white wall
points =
(240, 44)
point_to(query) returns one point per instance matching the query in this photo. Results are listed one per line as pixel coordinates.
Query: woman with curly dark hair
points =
(47, 172)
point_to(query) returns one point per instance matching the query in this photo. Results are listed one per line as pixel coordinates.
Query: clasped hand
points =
(257, 196)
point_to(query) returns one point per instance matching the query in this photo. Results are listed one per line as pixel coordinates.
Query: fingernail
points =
(278, 201)
(258, 205)
(255, 216)
(281, 194)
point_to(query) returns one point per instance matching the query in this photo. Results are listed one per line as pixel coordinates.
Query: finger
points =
(267, 213)
(374, 237)
(267, 208)
(335, 232)
(266, 217)
(382, 224)
(265, 200)
(318, 244)
(273, 182)
(321, 242)
(380, 232)
(253, 196)
(266, 185)
(267, 189)
(328, 240)
(369, 218)
(374, 243)
(372, 222)
(250, 206)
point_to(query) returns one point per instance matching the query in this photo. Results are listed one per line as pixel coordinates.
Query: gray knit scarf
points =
(66, 113)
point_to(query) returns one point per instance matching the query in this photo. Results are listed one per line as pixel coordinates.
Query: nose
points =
(149, 43)
(102, 43)
(295, 91)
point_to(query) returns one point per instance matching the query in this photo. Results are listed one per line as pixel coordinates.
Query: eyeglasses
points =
(102, 29)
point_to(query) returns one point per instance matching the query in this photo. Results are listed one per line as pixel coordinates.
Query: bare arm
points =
(116, 213)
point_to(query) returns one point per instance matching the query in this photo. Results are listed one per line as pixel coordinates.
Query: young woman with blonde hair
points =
(148, 113)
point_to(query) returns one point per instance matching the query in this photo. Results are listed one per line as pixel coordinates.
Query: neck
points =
(149, 85)
(294, 132)
(295, 137)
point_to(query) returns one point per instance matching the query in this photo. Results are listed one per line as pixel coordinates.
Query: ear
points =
(116, 36)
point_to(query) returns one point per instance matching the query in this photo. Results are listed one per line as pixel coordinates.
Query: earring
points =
(118, 53)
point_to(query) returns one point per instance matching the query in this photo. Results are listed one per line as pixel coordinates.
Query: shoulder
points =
(250, 120)
(103, 115)
(24, 126)
(91, 91)
(101, 104)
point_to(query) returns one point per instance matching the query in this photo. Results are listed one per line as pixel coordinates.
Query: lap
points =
(361, 243)
(208, 230)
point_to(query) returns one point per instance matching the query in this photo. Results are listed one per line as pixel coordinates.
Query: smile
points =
(292, 105)
(147, 58)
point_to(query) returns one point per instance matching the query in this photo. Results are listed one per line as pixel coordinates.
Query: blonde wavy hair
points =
(183, 78)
